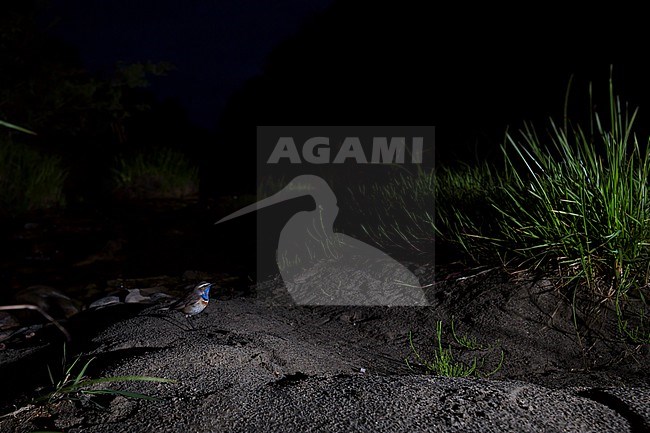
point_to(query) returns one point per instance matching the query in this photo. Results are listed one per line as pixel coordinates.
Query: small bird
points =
(194, 301)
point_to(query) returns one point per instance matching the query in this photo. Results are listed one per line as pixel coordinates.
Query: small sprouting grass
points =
(466, 341)
(444, 361)
(74, 385)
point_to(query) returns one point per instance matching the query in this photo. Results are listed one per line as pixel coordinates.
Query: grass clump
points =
(577, 200)
(74, 385)
(29, 180)
(572, 202)
(163, 174)
(445, 362)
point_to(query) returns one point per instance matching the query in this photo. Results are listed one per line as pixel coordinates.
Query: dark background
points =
(472, 72)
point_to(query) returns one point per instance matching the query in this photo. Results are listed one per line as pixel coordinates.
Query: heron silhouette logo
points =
(321, 267)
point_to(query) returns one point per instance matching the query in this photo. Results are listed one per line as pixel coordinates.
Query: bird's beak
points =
(292, 190)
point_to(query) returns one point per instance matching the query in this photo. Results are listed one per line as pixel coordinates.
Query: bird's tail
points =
(170, 305)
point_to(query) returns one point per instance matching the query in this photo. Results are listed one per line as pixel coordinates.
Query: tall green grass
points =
(577, 198)
(573, 201)
(162, 174)
(29, 180)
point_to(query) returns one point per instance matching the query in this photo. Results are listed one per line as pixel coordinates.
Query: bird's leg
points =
(187, 317)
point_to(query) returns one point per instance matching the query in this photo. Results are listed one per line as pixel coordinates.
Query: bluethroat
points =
(195, 301)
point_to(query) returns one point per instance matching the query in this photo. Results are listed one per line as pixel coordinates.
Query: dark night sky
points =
(215, 45)
(356, 63)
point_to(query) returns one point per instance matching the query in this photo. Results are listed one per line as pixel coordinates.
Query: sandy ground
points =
(250, 365)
